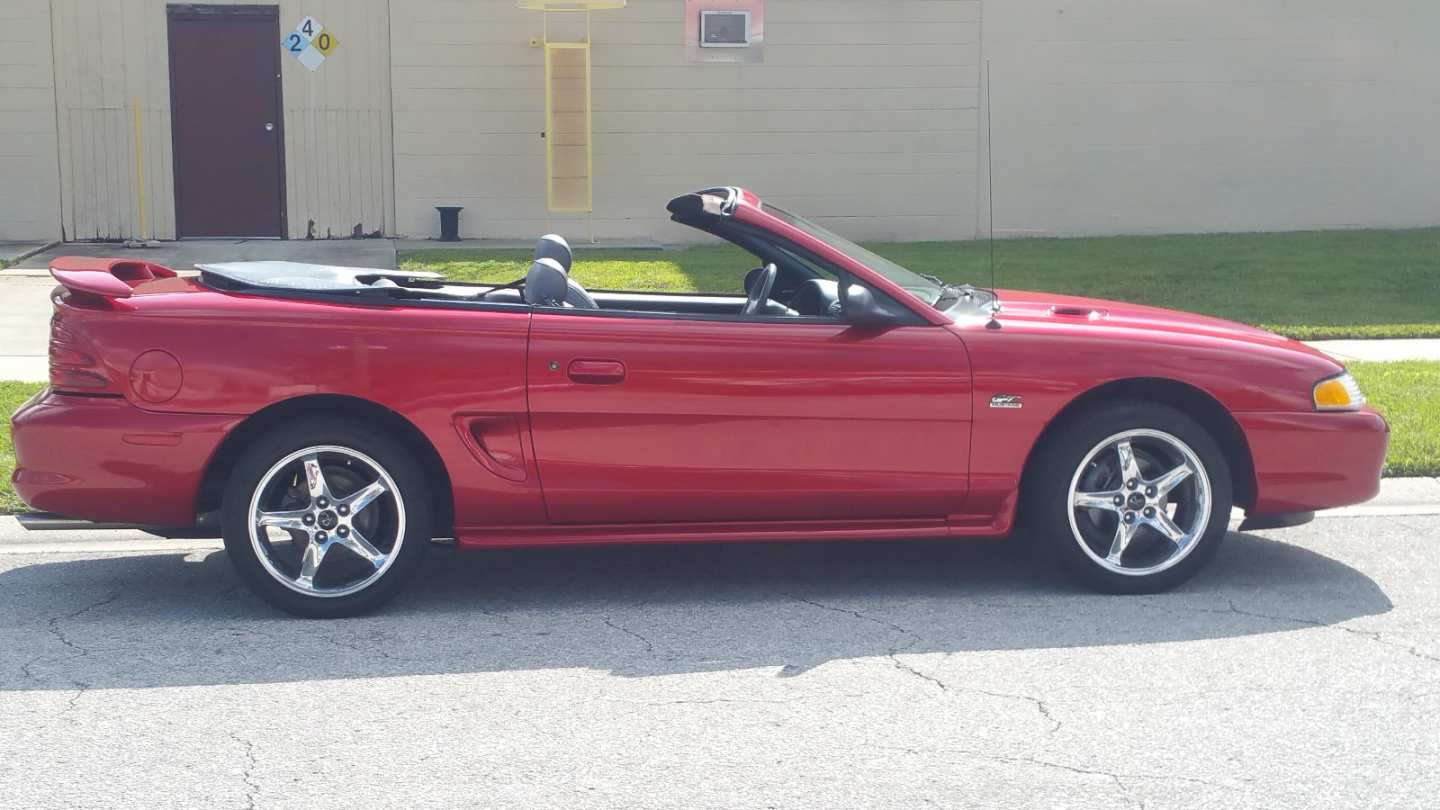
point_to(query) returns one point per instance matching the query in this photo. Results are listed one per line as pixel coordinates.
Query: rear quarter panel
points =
(240, 354)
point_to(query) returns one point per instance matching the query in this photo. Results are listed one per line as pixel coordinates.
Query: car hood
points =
(1021, 307)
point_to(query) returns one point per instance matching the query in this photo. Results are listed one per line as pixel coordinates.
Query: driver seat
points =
(553, 246)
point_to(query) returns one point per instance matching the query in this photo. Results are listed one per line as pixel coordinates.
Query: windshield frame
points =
(927, 291)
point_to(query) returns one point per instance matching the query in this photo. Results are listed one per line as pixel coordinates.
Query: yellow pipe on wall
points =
(139, 170)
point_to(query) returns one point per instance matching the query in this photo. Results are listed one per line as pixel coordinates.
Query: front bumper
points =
(1310, 461)
(103, 459)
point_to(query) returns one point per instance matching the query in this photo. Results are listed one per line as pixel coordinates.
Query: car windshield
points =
(928, 290)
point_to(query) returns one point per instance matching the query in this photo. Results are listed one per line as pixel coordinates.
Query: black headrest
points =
(546, 284)
(576, 296)
(554, 246)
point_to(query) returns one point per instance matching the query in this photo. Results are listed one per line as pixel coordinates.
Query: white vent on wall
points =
(724, 29)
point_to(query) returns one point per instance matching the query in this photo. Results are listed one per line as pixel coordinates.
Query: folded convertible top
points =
(301, 276)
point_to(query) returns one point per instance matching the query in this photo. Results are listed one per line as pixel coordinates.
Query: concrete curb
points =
(24, 368)
(528, 244)
(185, 254)
(1398, 496)
(1379, 350)
(25, 254)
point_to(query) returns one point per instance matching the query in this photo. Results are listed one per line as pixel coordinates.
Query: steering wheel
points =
(760, 293)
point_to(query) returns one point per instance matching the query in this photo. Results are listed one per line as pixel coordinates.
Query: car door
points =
(644, 418)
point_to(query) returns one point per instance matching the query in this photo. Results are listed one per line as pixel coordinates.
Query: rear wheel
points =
(326, 519)
(1134, 498)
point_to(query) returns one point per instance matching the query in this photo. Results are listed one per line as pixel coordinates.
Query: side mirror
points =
(862, 308)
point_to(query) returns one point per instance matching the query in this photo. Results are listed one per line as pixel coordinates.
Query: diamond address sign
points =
(310, 43)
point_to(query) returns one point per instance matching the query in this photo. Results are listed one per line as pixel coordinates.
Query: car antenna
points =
(990, 180)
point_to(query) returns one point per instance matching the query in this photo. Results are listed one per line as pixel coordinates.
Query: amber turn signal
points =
(1340, 393)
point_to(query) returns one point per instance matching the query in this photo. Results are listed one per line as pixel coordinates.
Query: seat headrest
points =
(546, 284)
(554, 246)
(577, 297)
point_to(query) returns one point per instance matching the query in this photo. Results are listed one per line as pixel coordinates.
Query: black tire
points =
(1046, 509)
(392, 458)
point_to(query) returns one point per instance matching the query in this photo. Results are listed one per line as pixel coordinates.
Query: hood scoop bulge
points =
(1078, 313)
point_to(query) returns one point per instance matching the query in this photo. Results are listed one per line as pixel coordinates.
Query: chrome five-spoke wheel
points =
(1130, 496)
(326, 521)
(327, 516)
(1139, 501)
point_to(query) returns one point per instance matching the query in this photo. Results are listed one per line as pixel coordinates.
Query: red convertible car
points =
(330, 422)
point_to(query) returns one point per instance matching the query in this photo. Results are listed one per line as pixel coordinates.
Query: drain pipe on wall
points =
(139, 183)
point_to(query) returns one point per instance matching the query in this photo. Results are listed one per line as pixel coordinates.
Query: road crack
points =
(913, 639)
(1119, 778)
(375, 647)
(649, 647)
(1041, 706)
(55, 629)
(252, 786)
(1373, 635)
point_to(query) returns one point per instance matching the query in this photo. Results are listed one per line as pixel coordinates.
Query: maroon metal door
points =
(225, 102)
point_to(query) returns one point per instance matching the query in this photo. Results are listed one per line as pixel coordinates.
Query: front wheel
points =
(326, 519)
(1133, 498)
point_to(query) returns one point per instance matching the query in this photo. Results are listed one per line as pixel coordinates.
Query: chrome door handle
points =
(269, 126)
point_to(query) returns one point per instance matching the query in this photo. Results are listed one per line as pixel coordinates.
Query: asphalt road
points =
(1302, 669)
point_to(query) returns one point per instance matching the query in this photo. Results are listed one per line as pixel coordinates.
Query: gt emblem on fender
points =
(1007, 401)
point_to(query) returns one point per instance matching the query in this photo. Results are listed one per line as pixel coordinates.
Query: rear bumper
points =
(103, 459)
(1310, 461)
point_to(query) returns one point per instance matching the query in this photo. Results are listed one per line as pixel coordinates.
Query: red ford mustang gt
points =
(329, 422)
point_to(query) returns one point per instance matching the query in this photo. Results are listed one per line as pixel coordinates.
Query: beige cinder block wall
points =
(862, 114)
(112, 55)
(1117, 116)
(1110, 116)
(339, 164)
(29, 175)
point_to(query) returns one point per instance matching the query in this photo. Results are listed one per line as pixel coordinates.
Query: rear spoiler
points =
(107, 278)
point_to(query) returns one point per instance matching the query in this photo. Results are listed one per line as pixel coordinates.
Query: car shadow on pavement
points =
(179, 620)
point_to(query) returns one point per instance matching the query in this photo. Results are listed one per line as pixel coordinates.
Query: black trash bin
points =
(449, 222)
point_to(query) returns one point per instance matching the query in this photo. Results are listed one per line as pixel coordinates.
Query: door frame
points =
(201, 11)
(765, 246)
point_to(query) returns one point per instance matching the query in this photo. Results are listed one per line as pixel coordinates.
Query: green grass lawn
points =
(1305, 284)
(1408, 393)
(12, 396)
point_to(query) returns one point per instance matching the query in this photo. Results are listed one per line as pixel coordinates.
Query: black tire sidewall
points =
(397, 461)
(1046, 505)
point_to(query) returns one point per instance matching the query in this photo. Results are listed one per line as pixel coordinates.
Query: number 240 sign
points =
(310, 43)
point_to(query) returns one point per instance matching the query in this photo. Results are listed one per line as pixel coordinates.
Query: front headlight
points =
(1339, 393)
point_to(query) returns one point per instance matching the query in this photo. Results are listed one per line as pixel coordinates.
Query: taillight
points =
(67, 379)
(73, 365)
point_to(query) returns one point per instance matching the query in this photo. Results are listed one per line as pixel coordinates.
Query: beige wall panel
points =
(1110, 116)
(29, 174)
(112, 56)
(1113, 116)
(338, 158)
(862, 114)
